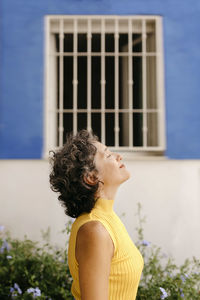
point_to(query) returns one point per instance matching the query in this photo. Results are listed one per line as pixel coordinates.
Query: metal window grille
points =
(105, 73)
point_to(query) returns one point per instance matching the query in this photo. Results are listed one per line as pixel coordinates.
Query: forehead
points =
(101, 148)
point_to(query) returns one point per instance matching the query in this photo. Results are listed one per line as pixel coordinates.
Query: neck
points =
(108, 192)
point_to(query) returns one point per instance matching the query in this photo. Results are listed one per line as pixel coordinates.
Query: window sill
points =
(143, 156)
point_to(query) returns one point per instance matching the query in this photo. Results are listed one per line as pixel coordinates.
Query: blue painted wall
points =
(22, 69)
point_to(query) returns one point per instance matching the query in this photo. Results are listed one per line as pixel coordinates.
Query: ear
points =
(90, 178)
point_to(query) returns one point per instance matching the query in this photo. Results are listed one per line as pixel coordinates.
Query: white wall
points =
(169, 191)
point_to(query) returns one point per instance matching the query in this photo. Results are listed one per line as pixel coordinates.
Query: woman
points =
(103, 261)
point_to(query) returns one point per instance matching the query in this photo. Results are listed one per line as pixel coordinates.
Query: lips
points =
(122, 166)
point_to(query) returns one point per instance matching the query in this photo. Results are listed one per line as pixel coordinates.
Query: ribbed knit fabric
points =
(127, 262)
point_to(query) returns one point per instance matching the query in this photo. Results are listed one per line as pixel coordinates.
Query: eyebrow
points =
(105, 149)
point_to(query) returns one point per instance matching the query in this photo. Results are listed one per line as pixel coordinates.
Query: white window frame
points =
(57, 24)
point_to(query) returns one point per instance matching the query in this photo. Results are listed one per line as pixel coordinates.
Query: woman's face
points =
(110, 168)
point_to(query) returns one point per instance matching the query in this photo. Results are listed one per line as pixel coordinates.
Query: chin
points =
(126, 176)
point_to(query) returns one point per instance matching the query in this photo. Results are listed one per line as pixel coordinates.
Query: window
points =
(105, 73)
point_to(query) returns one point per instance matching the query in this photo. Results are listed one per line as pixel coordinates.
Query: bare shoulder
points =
(92, 236)
(94, 255)
(93, 230)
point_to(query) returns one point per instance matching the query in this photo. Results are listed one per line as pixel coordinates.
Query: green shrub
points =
(29, 271)
(161, 277)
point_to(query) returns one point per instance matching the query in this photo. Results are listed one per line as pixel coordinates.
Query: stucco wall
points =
(22, 69)
(167, 189)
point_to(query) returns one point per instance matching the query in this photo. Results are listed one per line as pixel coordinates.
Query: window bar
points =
(144, 129)
(130, 82)
(60, 127)
(89, 37)
(103, 81)
(47, 93)
(159, 86)
(53, 94)
(75, 81)
(116, 129)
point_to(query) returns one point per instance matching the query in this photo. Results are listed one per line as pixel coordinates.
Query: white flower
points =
(164, 293)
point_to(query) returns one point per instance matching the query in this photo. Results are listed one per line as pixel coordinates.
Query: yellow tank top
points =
(127, 262)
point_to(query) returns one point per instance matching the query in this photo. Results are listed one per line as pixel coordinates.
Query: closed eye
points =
(108, 155)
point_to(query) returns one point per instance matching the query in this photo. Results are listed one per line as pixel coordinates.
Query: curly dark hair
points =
(70, 165)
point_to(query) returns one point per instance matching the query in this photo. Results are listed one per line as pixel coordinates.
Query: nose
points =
(118, 157)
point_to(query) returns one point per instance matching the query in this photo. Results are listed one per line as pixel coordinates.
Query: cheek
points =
(111, 170)
(106, 169)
